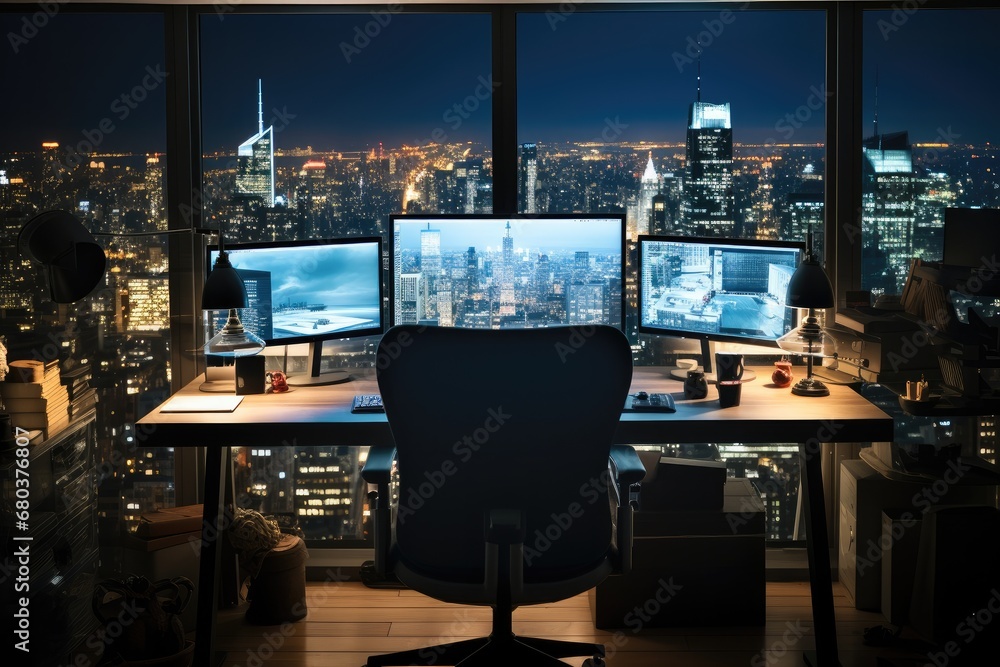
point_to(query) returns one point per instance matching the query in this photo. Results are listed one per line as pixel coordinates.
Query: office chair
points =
(510, 491)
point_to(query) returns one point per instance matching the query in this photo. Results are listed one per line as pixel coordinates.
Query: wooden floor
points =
(348, 622)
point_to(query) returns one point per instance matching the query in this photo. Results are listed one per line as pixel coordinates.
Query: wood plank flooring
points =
(348, 622)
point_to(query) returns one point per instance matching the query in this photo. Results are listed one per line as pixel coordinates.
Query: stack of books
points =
(35, 397)
(82, 396)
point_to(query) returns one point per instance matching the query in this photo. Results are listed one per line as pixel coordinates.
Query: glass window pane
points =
(365, 115)
(83, 130)
(321, 131)
(692, 123)
(930, 133)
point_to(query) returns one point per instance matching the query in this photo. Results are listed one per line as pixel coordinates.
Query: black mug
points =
(696, 386)
(728, 366)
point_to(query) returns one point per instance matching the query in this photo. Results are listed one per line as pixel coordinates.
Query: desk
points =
(322, 416)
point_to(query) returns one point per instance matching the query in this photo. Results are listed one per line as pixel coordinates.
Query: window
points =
(663, 115)
(93, 145)
(930, 133)
(930, 143)
(320, 126)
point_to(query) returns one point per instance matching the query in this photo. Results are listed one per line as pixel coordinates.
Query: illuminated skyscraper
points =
(887, 204)
(709, 203)
(803, 209)
(255, 160)
(586, 303)
(507, 275)
(430, 252)
(528, 179)
(658, 214)
(410, 303)
(649, 186)
(52, 168)
(430, 271)
(154, 191)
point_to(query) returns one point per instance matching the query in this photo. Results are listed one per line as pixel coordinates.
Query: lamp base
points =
(810, 386)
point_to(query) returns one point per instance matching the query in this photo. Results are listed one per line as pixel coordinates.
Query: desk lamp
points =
(224, 290)
(809, 288)
(73, 261)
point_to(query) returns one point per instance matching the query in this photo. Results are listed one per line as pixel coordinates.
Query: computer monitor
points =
(310, 292)
(728, 290)
(971, 235)
(491, 271)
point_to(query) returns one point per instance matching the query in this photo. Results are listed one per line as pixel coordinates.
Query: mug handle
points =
(739, 372)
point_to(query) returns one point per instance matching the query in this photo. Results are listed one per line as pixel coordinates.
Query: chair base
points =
(492, 652)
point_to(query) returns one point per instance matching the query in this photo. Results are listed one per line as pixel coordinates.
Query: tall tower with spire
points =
(708, 207)
(649, 186)
(507, 305)
(888, 216)
(255, 160)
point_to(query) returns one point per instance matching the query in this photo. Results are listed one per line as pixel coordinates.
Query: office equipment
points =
(367, 403)
(249, 375)
(715, 290)
(645, 402)
(321, 415)
(864, 494)
(525, 271)
(311, 292)
(524, 470)
(971, 236)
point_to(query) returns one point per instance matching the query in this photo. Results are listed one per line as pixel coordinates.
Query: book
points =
(48, 387)
(29, 420)
(26, 404)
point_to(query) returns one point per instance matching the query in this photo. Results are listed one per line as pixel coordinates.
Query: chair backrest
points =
(508, 419)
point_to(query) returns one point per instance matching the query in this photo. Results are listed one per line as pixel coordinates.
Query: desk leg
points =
(211, 554)
(818, 549)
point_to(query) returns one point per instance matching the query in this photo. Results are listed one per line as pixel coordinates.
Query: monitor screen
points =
(308, 291)
(716, 289)
(494, 272)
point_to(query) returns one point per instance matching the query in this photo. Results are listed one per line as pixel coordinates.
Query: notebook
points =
(226, 403)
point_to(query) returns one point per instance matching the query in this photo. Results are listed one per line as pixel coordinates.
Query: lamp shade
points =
(224, 288)
(73, 261)
(809, 287)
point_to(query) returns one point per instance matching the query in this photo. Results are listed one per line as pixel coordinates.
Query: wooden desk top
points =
(322, 416)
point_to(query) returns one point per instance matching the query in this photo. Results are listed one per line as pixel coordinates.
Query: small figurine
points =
(782, 375)
(277, 383)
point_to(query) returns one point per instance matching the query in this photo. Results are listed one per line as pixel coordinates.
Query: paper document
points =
(224, 403)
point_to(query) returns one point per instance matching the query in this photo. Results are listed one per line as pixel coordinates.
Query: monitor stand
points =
(680, 371)
(315, 377)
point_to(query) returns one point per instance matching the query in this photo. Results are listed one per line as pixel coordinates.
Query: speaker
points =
(250, 375)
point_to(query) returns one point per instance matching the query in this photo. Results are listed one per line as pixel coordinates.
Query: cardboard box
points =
(693, 568)
(682, 484)
(170, 521)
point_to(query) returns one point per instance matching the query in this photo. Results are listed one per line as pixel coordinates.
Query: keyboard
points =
(643, 402)
(367, 403)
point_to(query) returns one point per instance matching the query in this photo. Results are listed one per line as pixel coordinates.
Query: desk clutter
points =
(947, 330)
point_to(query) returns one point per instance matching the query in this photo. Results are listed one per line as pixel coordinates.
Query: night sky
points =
(936, 70)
